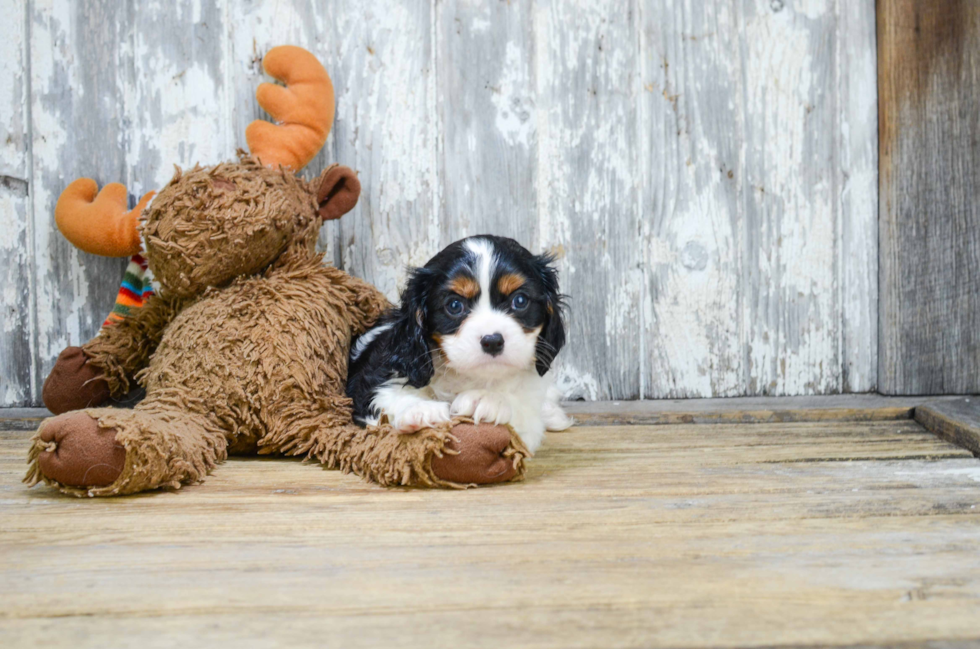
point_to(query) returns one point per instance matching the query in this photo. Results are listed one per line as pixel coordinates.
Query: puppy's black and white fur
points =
(475, 335)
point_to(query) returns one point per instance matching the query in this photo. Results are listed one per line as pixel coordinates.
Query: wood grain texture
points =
(181, 91)
(857, 193)
(957, 421)
(706, 175)
(486, 84)
(929, 88)
(746, 410)
(81, 84)
(789, 200)
(684, 536)
(17, 349)
(253, 29)
(22, 418)
(387, 129)
(758, 231)
(691, 128)
(587, 203)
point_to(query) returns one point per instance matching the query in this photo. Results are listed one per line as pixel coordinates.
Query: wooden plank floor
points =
(794, 534)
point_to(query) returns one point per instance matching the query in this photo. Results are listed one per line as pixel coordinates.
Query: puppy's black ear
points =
(410, 353)
(552, 336)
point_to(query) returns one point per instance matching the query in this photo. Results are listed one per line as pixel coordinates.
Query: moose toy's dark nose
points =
(492, 344)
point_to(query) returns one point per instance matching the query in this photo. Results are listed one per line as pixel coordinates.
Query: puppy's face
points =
(488, 312)
(489, 307)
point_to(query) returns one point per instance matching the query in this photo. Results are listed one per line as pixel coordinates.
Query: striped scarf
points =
(135, 290)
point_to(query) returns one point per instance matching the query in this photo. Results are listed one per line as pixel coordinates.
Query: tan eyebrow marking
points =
(510, 283)
(465, 286)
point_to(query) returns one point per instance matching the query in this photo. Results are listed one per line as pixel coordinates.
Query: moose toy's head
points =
(209, 225)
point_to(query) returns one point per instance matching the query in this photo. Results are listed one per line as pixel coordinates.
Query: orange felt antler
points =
(99, 224)
(303, 109)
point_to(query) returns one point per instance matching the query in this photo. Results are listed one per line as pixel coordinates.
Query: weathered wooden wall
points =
(706, 172)
(930, 196)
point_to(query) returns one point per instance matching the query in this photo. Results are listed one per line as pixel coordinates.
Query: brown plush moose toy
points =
(244, 347)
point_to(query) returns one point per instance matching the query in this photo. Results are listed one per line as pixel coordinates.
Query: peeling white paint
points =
(49, 36)
(13, 91)
(385, 131)
(714, 219)
(858, 230)
(575, 385)
(812, 9)
(971, 473)
(790, 208)
(514, 109)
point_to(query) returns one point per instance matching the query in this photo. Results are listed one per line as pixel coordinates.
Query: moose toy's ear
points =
(338, 192)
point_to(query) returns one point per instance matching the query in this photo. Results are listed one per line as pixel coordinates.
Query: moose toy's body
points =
(244, 349)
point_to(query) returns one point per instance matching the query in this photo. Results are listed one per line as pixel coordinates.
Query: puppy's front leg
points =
(484, 406)
(554, 417)
(408, 408)
(492, 407)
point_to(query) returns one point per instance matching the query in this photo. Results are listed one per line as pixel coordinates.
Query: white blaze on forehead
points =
(463, 350)
(483, 250)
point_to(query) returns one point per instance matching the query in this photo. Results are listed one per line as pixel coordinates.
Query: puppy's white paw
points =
(483, 406)
(422, 415)
(554, 417)
(464, 405)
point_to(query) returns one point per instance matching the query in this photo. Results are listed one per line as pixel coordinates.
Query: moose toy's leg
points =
(109, 451)
(74, 383)
(106, 366)
(480, 454)
(449, 456)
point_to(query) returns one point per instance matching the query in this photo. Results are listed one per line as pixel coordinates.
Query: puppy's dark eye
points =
(454, 307)
(520, 302)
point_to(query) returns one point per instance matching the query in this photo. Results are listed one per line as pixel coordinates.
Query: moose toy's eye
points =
(454, 307)
(519, 302)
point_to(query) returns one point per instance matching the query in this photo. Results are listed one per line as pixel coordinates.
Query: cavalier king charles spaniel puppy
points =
(475, 335)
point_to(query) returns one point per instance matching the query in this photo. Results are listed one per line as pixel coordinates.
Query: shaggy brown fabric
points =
(260, 209)
(245, 350)
(120, 351)
(74, 383)
(164, 448)
(383, 455)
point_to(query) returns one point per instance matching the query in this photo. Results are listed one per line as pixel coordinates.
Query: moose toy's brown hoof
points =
(79, 453)
(74, 384)
(481, 456)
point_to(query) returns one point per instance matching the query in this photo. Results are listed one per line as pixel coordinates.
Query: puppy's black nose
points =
(492, 344)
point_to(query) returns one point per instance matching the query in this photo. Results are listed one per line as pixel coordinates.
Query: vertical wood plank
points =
(789, 292)
(387, 130)
(857, 139)
(253, 29)
(80, 88)
(181, 91)
(485, 63)
(16, 304)
(691, 129)
(586, 72)
(929, 281)
(743, 291)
